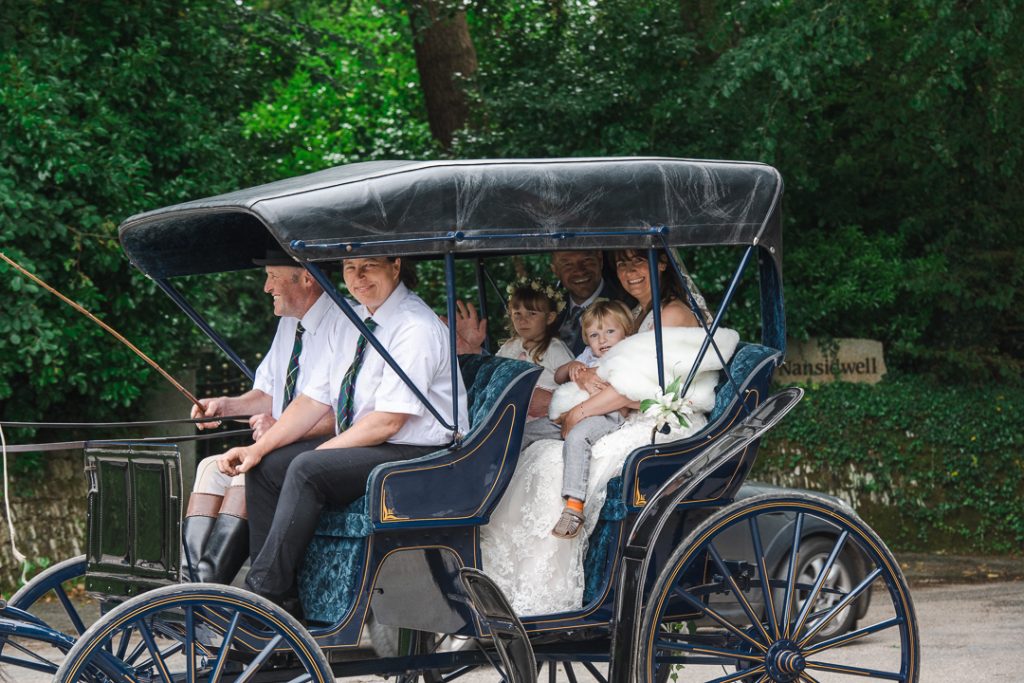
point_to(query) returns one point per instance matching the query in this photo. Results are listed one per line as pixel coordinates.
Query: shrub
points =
(930, 467)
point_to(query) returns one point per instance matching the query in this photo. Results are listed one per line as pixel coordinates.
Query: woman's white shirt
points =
(319, 323)
(418, 342)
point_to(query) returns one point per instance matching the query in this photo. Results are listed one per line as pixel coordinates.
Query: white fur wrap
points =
(631, 367)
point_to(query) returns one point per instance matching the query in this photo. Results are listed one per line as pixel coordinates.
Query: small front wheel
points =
(196, 632)
(53, 584)
(45, 602)
(720, 611)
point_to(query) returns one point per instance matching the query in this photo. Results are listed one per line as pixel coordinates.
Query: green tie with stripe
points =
(347, 393)
(293, 367)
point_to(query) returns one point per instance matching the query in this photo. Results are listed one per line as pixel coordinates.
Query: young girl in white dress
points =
(532, 309)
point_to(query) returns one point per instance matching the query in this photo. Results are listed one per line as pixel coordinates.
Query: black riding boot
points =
(194, 532)
(227, 548)
(195, 529)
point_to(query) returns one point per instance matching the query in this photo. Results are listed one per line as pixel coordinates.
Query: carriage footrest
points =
(510, 639)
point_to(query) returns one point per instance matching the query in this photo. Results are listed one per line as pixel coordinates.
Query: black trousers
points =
(295, 484)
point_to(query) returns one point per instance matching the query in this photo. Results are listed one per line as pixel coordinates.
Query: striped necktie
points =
(572, 330)
(293, 367)
(346, 396)
(574, 317)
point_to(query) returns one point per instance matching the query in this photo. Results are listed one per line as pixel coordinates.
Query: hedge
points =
(930, 467)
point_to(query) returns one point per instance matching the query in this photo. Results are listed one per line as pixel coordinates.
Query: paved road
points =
(969, 633)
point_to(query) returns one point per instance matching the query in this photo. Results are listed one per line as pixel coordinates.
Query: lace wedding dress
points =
(539, 573)
(542, 574)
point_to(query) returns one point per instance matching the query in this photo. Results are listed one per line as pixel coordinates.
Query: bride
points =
(543, 574)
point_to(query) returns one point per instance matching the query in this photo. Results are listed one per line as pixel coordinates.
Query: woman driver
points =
(378, 419)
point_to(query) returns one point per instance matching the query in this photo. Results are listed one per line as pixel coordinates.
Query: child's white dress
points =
(556, 355)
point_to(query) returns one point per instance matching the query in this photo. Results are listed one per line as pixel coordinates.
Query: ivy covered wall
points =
(48, 505)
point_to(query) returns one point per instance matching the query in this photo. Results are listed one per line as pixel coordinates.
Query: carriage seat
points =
(486, 378)
(334, 560)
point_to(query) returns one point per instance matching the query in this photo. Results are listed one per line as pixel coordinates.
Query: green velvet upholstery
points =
(486, 378)
(603, 540)
(742, 363)
(330, 576)
(332, 569)
(350, 522)
(333, 565)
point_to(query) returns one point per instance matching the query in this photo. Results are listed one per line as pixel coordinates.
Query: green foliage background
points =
(894, 124)
(104, 113)
(929, 467)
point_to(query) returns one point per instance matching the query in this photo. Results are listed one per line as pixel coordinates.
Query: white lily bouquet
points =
(668, 407)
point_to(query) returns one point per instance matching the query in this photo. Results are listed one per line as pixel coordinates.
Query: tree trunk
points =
(700, 18)
(444, 53)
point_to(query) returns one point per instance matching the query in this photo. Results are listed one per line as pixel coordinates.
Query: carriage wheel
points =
(194, 632)
(45, 599)
(840, 579)
(53, 583)
(706, 618)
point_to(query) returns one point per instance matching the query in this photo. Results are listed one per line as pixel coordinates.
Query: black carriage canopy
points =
(399, 208)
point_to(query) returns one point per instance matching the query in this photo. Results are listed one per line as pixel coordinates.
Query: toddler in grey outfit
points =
(605, 323)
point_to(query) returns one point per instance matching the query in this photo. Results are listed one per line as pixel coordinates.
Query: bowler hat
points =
(276, 257)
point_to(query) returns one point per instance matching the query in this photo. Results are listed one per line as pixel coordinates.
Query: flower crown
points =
(556, 296)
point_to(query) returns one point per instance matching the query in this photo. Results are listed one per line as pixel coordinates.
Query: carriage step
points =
(510, 639)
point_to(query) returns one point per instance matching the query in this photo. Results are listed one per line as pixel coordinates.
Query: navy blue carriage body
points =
(397, 550)
(403, 543)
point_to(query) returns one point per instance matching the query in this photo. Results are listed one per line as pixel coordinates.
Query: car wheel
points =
(844, 575)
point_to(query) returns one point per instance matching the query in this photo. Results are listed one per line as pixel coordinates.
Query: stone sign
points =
(846, 360)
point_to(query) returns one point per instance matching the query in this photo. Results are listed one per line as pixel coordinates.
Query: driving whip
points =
(117, 335)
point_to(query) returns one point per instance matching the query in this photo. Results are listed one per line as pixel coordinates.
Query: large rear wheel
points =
(719, 612)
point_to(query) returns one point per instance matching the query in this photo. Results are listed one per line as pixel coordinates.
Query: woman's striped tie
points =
(346, 396)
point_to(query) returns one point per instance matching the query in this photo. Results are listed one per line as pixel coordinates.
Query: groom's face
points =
(578, 271)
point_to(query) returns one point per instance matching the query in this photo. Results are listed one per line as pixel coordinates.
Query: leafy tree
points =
(353, 96)
(107, 109)
(888, 120)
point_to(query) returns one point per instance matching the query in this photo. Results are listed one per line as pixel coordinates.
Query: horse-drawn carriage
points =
(685, 575)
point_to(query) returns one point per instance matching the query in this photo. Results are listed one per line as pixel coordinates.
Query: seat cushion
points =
(353, 521)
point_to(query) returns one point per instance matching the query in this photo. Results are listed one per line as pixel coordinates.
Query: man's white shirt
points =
(319, 322)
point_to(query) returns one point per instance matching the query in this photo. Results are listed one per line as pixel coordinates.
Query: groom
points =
(581, 274)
